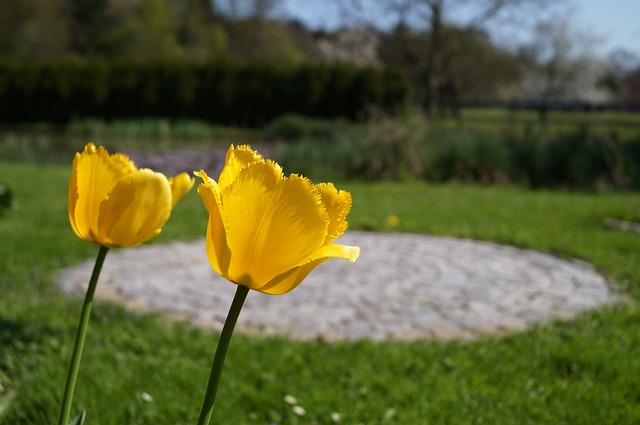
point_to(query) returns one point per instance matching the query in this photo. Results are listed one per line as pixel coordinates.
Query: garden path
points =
(403, 287)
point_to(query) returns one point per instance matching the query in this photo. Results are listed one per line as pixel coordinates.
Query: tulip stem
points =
(74, 367)
(221, 353)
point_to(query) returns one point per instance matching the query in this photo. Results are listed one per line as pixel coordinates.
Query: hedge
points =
(220, 92)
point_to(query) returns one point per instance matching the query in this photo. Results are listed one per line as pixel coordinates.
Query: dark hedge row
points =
(225, 93)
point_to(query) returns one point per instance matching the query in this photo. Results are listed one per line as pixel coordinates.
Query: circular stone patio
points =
(403, 287)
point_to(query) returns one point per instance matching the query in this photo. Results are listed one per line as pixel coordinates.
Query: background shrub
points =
(6, 198)
(462, 156)
(294, 128)
(338, 159)
(389, 148)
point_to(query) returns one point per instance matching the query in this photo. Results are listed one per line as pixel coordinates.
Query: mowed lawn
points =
(586, 371)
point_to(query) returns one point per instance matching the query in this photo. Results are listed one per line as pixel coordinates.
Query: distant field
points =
(622, 124)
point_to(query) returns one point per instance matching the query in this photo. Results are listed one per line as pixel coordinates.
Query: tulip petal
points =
(237, 159)
(119, 161)
(180, 185)
(289, 280)
(337, 204)
(72, 199)
(218, 251)
(135, 210)
(94, 174)
(274, 222)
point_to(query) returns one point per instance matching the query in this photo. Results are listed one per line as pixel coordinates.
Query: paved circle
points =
(403, 287)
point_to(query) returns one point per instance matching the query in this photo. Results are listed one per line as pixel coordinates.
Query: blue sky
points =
(615, 23)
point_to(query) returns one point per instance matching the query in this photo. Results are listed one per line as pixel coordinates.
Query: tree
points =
(151, 33)
(404, 49)
(90, 24)
(433, 17)
(617, 80)
(34, 29)
(261, 40)
(561, 67)
(243, 9)
(473, 68)
(199, 34)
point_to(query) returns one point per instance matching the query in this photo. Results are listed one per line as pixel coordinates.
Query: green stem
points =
(74, 367)
(221, 353)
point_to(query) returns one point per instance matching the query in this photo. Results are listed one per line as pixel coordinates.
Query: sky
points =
(617, 21)
(613, 24)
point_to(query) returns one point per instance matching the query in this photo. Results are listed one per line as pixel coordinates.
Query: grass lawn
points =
(586, 371)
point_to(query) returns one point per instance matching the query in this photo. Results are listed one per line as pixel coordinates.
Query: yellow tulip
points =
(115, 204)
(267, 231)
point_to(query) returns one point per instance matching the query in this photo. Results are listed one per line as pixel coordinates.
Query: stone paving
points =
(403, 287)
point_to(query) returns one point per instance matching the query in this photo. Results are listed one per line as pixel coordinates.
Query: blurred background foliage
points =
(448, 64)
(222, 92)
(426, 98)
(586, 155)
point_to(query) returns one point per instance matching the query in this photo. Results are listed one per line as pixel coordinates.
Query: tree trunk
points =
(433, 62)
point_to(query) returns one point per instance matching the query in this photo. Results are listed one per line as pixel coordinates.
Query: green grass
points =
(586, 371)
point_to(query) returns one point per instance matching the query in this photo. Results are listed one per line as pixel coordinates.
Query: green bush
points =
(525, 156)
(6, 198)
(456, 155)
(384, 149)
(293, 128)
(337, 159)
(393, 148)
(534, 158)
(625, 160)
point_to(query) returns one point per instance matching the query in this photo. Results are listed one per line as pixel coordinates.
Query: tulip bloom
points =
(267, 231)
(115, 204)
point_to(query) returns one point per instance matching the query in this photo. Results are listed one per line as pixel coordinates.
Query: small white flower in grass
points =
(390, 413)
(335, 417)
(289, 399)
(299, 410)
(147, 397)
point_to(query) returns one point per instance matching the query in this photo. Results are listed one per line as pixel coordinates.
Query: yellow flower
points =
(115, 204)
(393, 221)
(267, 231)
